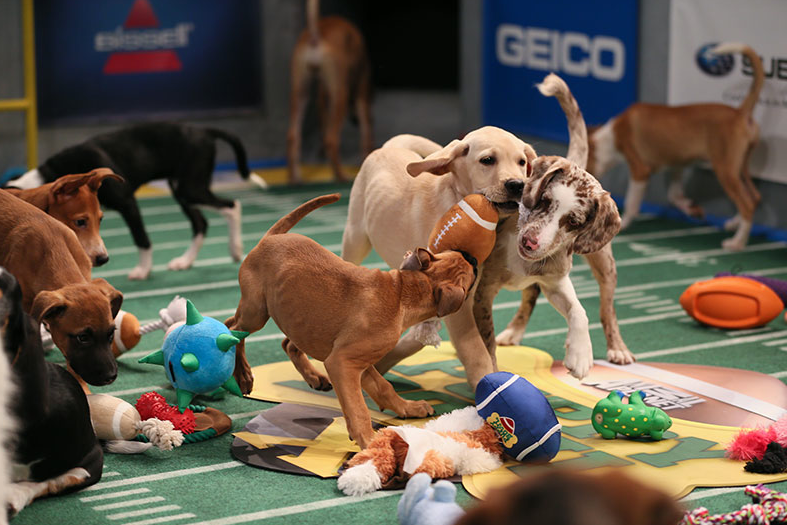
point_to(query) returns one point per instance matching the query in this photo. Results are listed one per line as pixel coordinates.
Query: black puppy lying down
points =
(54, 447)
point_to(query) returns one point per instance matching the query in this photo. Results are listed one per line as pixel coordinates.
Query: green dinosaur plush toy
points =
(611, 416)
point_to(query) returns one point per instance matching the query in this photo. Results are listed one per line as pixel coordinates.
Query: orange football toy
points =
(731, 302)
(469, 225)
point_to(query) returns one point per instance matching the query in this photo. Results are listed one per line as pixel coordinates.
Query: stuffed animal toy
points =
(198, 357)
(468, 226)
(764, 449)
(512, 417)
(425, 504)
(611, 416)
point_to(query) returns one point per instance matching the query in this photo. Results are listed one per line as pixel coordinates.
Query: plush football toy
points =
(198, 357)
(521, 415)
(467, 226)
(731, 302)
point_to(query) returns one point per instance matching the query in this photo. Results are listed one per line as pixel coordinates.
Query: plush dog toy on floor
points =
(345, 315)
(512, 417)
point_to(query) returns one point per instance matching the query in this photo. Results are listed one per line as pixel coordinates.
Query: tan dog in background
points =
(331, 51)
(345, 315)
(651, 136)
(73, 200)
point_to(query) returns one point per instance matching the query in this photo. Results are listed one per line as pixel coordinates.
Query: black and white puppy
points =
(184, 155)
(53, 447)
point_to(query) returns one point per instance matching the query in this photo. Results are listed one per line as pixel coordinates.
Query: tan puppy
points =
(332, 52)
(650, 136)
(344, 315)
(398, 197)
(73, 200)
(53, 272)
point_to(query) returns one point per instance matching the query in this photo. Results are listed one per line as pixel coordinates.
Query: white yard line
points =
(671, 308)
(779, 375)
(663, 302)
(163, 519)
(112, 495)
(709, 493)
(164, 475)
(139, 390)
(129, 503)
(299, 509)
(776, 343)
(143, 512)
(664, 234)
(713, 344)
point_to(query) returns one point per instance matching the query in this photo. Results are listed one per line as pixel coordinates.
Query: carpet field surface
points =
(657, 259)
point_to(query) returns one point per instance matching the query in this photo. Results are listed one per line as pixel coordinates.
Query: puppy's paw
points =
(620, 356)
(138, 273)
(180, 263)
(416, 409)
(20, 495)
(578, 363)
(732, 244)
(732, 224)
(510, 337)
(244, 378)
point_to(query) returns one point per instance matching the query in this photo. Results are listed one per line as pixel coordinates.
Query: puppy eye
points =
(487, 161)
(573, 221)
(81, 223)
(522, 162)
(111, 336)
(83, 339)
(545, 203)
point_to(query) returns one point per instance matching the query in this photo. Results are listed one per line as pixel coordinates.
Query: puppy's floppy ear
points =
(449, 299)
(544, 170)
(97, 176)
(603, 227)
(67, 186)
(420, 259)
(47, 305)
(114, 296)
(439, 163)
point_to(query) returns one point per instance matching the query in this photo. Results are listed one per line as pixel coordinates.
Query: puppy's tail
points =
(554, 86)
(284, 224)
(237, 147)
(312, 18)
(759, 75)
(421, 145)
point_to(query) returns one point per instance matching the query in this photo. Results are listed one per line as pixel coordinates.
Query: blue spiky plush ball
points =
(521, 415)
(198, 357)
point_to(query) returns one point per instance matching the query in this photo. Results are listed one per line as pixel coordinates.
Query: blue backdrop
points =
(591, 45)
(99, 58)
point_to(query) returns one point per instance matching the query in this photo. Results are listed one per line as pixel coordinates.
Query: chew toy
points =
(115, 420)
(469, 226)
(198, 357)
(611, 416)
(731, 302)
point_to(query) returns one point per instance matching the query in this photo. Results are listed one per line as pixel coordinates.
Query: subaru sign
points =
(99, 59)
(591, 45)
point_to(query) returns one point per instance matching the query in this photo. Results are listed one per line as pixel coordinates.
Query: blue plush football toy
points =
(198, 357)
(521, 415)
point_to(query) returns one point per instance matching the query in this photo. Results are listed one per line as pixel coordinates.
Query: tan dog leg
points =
(364, 113)
(337, 110)
(299, 96)
(602, 264)
(311, 375)
(515, 330)
(23, 493)
(249, 320)
(346, 379)
(383, 393)
(470, 348)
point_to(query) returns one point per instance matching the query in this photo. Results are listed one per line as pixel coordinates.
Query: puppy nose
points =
(514, 187)
(530, 243)
(101, 259)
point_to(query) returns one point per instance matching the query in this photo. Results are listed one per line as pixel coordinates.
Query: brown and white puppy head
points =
(80, 318)
(73, 200)
(451, 274)
(489, 160)
(564, 209)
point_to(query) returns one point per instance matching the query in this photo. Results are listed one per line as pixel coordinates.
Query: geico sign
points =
(572, 53)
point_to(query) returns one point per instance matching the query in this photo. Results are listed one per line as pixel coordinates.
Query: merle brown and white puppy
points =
(54, 447)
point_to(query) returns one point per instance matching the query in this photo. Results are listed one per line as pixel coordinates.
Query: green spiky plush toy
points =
(611, 416)
(198, 357)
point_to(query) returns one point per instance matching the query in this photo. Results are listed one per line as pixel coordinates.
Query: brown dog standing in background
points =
(651, 136)
(332, 51)
(73, 200)
(345, 315)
